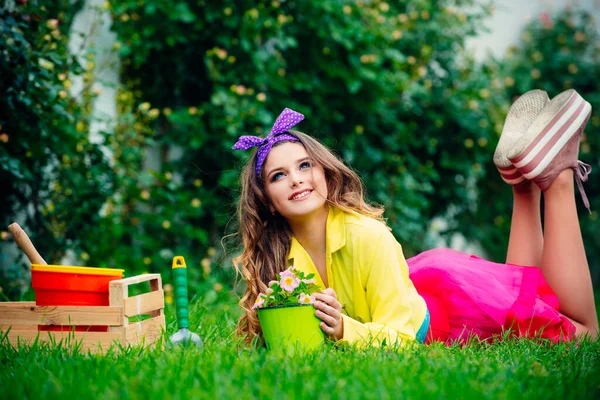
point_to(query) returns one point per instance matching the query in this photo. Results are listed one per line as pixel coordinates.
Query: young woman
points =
(300, 205)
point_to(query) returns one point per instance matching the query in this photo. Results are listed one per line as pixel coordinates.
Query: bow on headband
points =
(286, 120)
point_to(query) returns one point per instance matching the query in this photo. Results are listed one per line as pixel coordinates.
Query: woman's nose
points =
(295, 179)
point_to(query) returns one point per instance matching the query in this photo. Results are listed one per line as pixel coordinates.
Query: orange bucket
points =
(57, 285)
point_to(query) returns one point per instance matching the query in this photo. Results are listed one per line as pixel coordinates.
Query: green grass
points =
(223, 368)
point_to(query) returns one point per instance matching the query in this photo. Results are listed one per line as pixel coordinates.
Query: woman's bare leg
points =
(564, 263)
(526, 240)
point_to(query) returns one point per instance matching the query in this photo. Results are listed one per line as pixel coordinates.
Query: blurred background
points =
(117, 119)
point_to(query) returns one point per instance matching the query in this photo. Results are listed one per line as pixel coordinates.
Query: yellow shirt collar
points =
(335, 233)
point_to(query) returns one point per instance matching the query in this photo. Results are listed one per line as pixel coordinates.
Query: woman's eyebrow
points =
(273, 170)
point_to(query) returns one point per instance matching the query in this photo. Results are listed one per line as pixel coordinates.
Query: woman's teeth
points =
(301, 195)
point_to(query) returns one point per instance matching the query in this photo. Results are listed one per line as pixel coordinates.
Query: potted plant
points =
(286, 312)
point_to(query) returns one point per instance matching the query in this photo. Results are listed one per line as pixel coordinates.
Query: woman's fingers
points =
(326, 328)
(329, 300)
(326, 303)
(329, 311)
(326, 318)
(327, 308)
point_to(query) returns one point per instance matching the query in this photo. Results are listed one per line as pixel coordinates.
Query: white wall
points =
(510, 17)
(95, 26)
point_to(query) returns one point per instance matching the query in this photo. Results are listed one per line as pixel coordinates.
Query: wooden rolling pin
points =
(25, 244)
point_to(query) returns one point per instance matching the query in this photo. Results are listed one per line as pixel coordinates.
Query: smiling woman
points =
(287, 193)
(301, 206)
(304, 207)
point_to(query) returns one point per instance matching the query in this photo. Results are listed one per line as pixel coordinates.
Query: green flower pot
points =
(291, 328)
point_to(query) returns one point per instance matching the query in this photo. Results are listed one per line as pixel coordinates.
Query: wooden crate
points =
(23, 318)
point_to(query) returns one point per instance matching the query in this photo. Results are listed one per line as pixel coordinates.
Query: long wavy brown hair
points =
(267, 238)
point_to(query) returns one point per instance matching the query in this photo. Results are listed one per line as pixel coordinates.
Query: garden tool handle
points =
(181, 291)
(25, 244)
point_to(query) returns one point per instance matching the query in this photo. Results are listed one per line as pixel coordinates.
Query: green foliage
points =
(382, 83)
(556, 53)
(388, 86)
(53, 179)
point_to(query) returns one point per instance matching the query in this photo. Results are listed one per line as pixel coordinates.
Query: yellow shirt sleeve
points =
(387, 294)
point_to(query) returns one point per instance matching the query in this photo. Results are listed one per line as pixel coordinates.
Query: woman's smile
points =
(300, 195)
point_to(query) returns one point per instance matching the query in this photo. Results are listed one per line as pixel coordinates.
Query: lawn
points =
(224, 368)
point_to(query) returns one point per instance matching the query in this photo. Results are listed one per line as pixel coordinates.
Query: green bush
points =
(388, 86)
(384, 84)
(53, 179)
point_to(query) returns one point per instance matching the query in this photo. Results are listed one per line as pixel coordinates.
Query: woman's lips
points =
(301, 195)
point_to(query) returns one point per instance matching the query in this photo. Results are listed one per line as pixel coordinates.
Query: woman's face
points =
(296, 187)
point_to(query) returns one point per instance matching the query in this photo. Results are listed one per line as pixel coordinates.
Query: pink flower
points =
(288, 272)
(306, 299)
(546, 20)
(52, 24)
(289, 282)
(260, 300)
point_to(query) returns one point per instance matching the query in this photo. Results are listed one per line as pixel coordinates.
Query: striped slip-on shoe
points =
(520, 116)
(551, 143)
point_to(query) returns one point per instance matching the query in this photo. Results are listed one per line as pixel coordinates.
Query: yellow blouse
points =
(367, 270)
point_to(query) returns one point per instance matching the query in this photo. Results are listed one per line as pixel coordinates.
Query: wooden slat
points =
(21, 303)
(134, 280)
(25, 313)
(117, 293)
(144, 303)
(93, 341)
(156, 284)
(5, 327)
(147, 331)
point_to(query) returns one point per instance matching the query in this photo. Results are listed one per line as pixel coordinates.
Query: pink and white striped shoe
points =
(520, 116)
(551, 143)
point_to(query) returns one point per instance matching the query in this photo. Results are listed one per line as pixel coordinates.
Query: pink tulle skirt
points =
(468, 296)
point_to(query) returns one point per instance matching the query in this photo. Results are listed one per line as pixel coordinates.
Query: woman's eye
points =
(304, 165)
(277, 176)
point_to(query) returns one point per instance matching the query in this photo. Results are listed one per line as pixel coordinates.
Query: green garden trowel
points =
(183, 335)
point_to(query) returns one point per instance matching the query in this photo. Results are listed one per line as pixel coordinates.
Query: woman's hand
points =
(329, 311)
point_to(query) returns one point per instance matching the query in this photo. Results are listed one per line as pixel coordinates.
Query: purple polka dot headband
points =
(286, 120)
